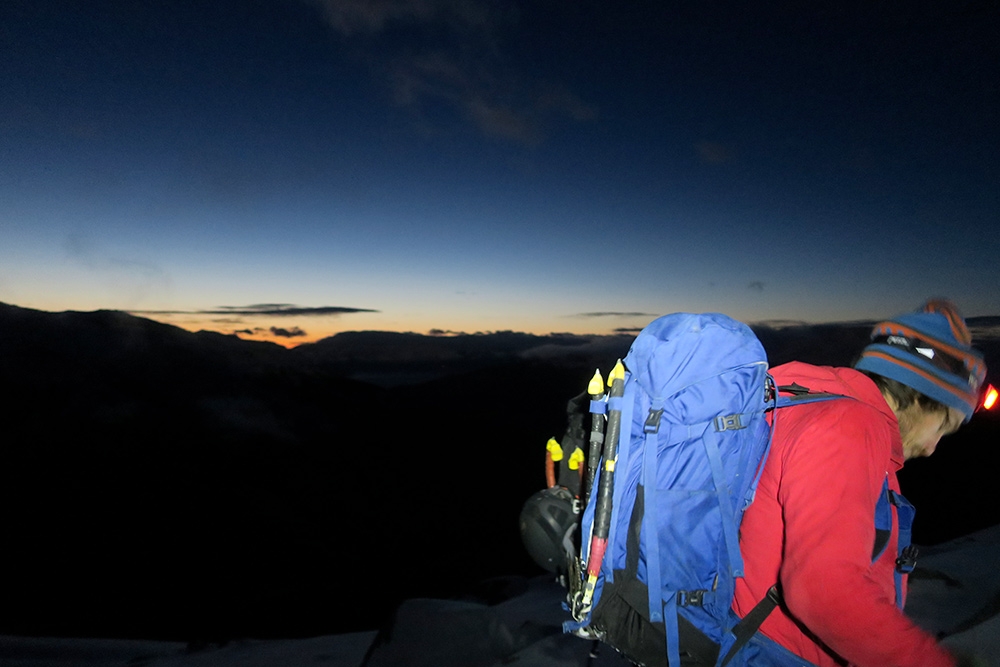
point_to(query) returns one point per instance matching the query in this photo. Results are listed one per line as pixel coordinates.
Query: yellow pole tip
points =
(617, 373)
(596, 385)
(554, 449)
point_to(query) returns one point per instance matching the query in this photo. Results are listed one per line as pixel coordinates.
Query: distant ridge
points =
(206, 487)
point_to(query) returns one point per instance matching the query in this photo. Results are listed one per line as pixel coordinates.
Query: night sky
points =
(288, 169)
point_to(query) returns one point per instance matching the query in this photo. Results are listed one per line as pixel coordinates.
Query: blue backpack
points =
(687, 437)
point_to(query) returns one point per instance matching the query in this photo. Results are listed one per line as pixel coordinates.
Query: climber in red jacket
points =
(828, 523)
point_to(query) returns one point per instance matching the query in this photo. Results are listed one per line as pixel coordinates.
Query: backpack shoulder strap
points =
(750, 624)
(801, 395)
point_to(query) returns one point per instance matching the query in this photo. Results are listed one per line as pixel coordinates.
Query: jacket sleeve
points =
(831, 479)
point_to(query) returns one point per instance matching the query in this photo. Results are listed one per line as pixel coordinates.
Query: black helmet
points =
(548, 522)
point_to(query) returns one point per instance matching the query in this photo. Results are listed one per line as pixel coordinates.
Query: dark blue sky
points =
(470, 166)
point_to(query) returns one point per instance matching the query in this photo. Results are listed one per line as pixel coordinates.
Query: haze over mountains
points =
(165, 484)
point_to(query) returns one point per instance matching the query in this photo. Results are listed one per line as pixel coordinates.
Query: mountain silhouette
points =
(161, 483)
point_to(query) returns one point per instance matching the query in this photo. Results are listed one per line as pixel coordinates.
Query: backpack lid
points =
(678, 350)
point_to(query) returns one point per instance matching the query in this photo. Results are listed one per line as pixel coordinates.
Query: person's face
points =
(922, 429)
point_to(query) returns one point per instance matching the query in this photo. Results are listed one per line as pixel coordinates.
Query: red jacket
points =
(811, 527)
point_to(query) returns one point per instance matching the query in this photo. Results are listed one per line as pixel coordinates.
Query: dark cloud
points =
(132, 279)
(615, 314)
(710, 152)
(294, 332)
(469, 72)
(363, 17)
(265, 309)
(284, 310)
(756, 286)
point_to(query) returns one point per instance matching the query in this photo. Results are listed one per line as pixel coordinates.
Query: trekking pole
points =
(598, 408)
(602, 514)
(553, 454)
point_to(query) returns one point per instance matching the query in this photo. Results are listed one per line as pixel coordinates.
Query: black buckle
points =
(728, 423)
(691, 598)
(652, 424)
(795, 389)
(907, 560)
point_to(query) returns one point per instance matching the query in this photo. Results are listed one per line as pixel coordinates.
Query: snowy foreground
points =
(955, 593)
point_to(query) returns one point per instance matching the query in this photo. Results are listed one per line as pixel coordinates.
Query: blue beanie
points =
(931, 351)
